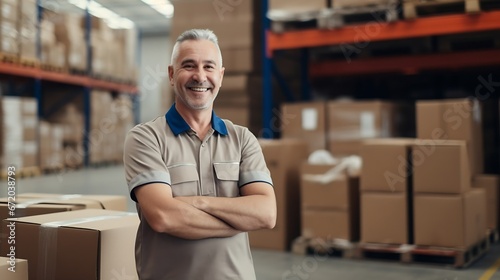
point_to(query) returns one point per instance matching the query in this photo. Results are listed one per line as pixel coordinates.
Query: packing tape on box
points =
(348, 165)
(47, 243)
(53, 200)
(28, 203)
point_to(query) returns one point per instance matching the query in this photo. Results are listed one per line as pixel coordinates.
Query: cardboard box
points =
(305, 121)
(386, 218)
(29, 204)
(340, 194)
(394, 172)
(87, 244)
(329, 224)
(17, 270)
(463, 214)
(350, 122)
(283, 159)
(455, 119)
(441, 167)
(490, 183)
(293, 6)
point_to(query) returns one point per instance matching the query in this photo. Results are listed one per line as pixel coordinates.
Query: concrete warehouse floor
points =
(270, 265)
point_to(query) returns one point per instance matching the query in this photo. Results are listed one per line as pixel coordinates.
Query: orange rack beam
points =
(64, 78)
(406, 64)
(379, 31)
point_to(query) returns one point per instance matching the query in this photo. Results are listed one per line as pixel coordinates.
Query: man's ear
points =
(221, 75)
(171, 74)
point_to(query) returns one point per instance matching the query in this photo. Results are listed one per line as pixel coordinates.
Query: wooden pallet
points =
(24, 172)
(417, 8)
(454, 257)
(370, 14)
(29, 62)
(53, 68)
(384, 252)
(9, 58)
(281, 22)
(335, 18)
(329, 247)
(76, 71)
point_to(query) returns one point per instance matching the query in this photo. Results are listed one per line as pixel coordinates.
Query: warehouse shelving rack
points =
(401, 29)
(85, 84)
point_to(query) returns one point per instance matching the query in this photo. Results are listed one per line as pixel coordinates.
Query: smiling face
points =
(196, 74)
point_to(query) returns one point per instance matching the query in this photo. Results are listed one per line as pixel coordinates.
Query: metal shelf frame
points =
(86, 83)
(371, 32)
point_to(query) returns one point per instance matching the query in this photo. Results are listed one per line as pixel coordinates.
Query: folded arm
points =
(255, 209)
(175, 217)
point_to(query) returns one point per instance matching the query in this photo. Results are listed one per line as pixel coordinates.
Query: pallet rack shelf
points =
(85, 84)
(371, 32)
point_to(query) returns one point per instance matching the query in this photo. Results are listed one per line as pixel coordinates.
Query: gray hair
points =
(195, 34)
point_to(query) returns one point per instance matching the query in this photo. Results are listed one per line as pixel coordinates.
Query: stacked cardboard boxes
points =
(340, 127)
(19, 132)
(305, 121)
(453, 119)
(330, 208)
(51, 146)
(386, 182)
(350, 123)
(9, 19)
(233, 99)
(443, 195)
(283, 158)
(28, 29)
(86, 244)
(69, 41)
(110, 121)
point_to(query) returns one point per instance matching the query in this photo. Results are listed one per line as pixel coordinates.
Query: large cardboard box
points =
(86, 244)
(305, 121)
(13, 269)
(29, 204)
(283, 159)
(339, 194)
(490, 183)
(441, 167)
(329, 210)
(455, 119)
(351, 122)
(329, 224)
(386, 165)
(457, 221)
(386, 218)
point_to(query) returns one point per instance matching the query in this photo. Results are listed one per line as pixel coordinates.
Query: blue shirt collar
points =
(178, 125)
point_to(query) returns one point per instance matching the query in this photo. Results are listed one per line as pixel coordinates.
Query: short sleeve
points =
(253, 165)
(142, 159)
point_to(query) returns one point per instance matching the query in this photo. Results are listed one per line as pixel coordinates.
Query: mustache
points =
(196, 84)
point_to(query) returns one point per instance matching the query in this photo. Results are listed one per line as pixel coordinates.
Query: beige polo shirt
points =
(166, 150)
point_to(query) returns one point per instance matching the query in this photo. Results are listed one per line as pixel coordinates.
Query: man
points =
(200, 182)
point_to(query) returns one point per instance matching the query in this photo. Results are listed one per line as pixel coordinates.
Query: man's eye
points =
(189, 66)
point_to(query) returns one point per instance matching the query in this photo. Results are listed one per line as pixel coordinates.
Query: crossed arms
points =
(198, 217)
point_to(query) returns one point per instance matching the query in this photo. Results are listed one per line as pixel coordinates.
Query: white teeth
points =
(199, 89)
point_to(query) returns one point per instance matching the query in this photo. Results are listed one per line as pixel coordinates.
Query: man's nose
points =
(200, 75)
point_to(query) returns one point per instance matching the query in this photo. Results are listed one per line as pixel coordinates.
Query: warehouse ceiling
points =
(143, 13)
(149, 16)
